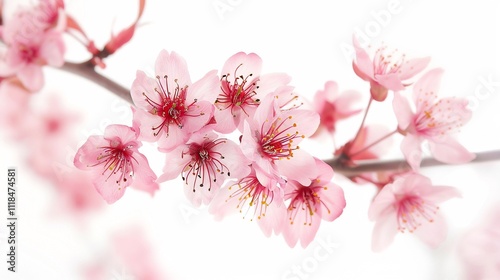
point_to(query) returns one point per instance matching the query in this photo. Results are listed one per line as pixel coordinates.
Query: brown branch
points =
(374, 166)
(87, 71)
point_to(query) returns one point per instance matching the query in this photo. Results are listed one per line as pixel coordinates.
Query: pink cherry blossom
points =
(479, 248)
(387, 70)
(433, 120)
(241, 90)
(31, 44)
(170, 107)
(76, 192)
(309, 204)
(204, 163)
(116, 163)
(131, 254)
(410, 204)
(255, 201)
(270, 140)
(14, 106)
(333, 106)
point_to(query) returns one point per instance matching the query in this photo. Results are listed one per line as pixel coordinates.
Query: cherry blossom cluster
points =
(231, 139)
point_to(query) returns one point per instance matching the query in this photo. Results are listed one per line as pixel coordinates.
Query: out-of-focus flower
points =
(204, 163)
(170, 107)
(255, 201)
(30, 45)
(333, 106)
(76, 191)
(270, 140)
(410, 203)
(241, 90)
(479, 249)
(115, 163)
(386, 71)
(433, 120)
(130, 256)
(370, 144)
(14, 107)
(309, 204)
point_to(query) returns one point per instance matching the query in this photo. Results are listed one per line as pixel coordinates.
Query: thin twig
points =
(400, 165)
(87, 71)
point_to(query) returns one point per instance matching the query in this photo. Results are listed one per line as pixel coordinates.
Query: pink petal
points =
(363, 65)
(144, 177)
(176, 136)
(274, 219)
(300, 229)
(410, 146)
(411, 183)
(412, 67)
(198, 116)
(333, 202)
(222, 205)
(382, 203)
(225, 121)
(448, 150)
(144, 85)
(384, 232)
(426, 88)
(298, 168)
(175, 67)
(146, 122)
(122, 133)
(108, 188)
(174, 164)
(402, 110)
(32, 77)
(245, 63)
(390, 81)
(52, 49)
(88, 153)
(270, 82)
(438, 194)
(207, 88)
(432, 233)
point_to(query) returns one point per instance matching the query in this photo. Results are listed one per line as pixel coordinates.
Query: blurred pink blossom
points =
(333, 106)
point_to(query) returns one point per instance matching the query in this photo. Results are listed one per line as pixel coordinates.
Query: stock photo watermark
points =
(486, 88)
(379, 19)
(222, 7)
(324, 249)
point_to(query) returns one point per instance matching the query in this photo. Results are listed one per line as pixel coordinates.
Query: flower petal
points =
(410, 146)
(448, 150)
(402, 110)
(426, 88)
(384, 232)
(412, 67)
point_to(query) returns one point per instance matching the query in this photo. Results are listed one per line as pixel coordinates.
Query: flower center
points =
(205, 164)
(277, 141)
(172, 107)
(412, 210)
(251, 194)
(306, 201)
(439, 118)
(116, 159)
(238, 93)
(387, 63)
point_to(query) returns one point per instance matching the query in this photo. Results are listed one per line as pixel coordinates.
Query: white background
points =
(303, 39)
